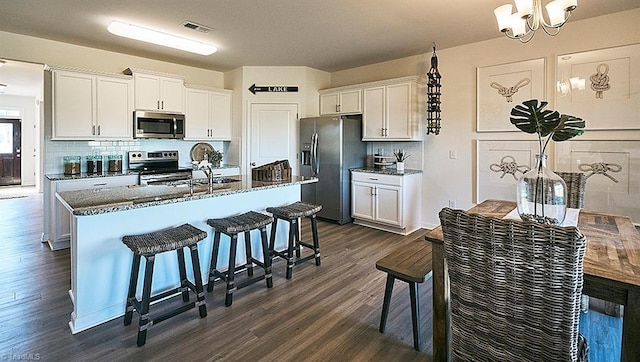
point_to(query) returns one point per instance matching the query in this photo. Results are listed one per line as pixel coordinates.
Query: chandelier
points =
(524, 23)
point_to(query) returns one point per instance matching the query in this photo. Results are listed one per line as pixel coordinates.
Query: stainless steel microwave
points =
(148, 124)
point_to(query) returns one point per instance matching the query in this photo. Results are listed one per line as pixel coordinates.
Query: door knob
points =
(253, 163)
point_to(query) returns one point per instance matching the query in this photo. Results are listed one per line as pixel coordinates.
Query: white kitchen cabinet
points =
(157, 91)
(342, 101)
(386, 202)
(208, 114)
(87, 106)
(114, 108)
(391, 111)
(56, 217)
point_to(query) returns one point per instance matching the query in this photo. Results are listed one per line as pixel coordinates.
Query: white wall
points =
(308, 81)
(458, 68)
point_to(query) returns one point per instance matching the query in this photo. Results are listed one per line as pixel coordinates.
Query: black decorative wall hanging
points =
(433, 96)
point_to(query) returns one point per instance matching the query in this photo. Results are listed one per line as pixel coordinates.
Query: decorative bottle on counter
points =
(71, 165)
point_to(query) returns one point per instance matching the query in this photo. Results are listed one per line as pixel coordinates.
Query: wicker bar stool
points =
(292, 214)
(232, 226)
(148, 245)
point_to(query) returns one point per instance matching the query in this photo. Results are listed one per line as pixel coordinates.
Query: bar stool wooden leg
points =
(266, 255)
(272, 238)
(214, 261)
(183, 275)
(231, 271)
(247, 246)
(146, 299)
(388, 290)
(133, 282)
(316, 243)
(415, 314)
(197, 274)
(295, 223)
(291, 245)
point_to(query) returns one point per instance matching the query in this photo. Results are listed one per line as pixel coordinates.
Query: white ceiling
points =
(329, 35)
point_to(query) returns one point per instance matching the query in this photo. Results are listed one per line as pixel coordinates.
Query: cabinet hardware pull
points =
(93, 130)
(162, 104)
(98, 130)
(100, 184)
(372, 178)
(158, 104)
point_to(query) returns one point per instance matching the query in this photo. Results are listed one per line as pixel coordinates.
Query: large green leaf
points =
(531, 117)
(569, 127)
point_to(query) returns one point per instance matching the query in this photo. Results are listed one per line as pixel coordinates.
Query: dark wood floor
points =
(326, 313)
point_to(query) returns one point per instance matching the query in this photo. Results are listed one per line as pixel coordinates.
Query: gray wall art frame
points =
(500, 164)
(499, 88)
(613, 173)
(611, 96)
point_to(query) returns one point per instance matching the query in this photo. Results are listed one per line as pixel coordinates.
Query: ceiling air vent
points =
(198, 27)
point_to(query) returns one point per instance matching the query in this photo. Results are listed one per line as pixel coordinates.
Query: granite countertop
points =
(387, 171)
(105, 200)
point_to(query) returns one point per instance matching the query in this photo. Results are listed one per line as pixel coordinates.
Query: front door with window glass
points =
(10, 152)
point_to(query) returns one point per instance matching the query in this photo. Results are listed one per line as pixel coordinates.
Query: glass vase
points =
(541, 195)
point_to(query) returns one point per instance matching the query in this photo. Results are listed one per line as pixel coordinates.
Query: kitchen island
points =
(101, 264)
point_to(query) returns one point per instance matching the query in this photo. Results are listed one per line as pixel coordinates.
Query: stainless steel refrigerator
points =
(330, 146)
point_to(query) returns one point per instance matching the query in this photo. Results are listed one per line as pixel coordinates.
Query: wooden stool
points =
(232, 226)
(292, 213)
(411, 264)
(148, 245)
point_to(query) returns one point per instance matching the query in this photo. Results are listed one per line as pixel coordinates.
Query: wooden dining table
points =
(611, 272)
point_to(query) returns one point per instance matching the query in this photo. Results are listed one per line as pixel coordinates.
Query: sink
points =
(216, 180)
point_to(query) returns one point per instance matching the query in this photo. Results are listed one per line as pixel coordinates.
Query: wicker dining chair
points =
(576, 185)
(514, 289)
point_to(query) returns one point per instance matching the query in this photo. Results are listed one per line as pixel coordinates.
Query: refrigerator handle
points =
(315, 165)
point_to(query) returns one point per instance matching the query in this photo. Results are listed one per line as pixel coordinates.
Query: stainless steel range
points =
(157, 167)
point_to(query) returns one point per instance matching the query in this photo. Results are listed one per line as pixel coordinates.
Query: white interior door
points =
(274, 134)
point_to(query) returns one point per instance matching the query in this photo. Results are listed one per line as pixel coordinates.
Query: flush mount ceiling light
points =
(524, 23)
(156, 37)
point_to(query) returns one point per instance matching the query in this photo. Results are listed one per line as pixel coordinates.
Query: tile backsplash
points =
(56, 150)
(415, 150)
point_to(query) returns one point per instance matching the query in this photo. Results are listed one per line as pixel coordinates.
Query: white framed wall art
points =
(613, 173)
(502, 87)
(610, 98)
(499, 166)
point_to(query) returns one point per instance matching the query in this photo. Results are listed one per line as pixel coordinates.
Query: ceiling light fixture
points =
(2, 62)
(524, 23)
(156, 37)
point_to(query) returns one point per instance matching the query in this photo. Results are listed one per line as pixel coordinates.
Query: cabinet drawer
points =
(376, 178)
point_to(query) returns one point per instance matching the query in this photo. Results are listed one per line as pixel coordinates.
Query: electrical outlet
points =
(452, 204)
(453, 154)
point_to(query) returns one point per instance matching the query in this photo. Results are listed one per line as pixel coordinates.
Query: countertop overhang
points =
(387, 171)
(105, 200)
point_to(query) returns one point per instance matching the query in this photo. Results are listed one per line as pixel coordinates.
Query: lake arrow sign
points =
(272, 88)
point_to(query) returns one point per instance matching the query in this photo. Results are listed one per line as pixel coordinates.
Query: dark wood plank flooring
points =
(326, 313)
